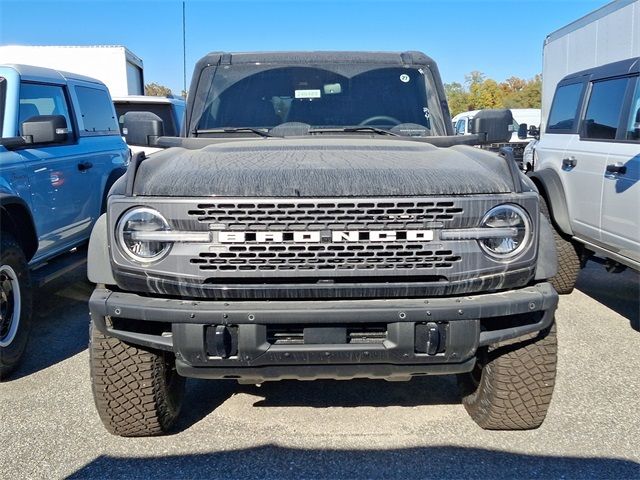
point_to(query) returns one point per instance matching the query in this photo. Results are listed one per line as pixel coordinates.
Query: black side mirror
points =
(493, 126)
(142, 128)
(42, 129)
(523, 132)
(534, 132)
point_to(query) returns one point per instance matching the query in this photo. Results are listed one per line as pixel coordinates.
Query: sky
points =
(501, 38)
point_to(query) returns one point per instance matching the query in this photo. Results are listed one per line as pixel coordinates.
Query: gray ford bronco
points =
(319, 220)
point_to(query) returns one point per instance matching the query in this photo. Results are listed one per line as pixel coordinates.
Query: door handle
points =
(615, 169)
(84, 166)
(569, 163)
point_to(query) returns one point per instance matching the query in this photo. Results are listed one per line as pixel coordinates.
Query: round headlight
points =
(131, 231)
(513, 231)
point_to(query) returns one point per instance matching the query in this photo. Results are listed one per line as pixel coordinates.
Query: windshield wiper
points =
(257, 131)
(361, 128)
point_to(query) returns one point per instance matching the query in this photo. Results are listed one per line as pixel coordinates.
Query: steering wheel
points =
(377, 118)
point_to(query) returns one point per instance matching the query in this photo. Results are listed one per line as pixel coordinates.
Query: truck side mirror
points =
(534, 132)
(493, 126)
(42, 129)
(142, 129)
(523, 132)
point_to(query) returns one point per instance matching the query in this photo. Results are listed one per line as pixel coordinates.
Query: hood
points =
(322, 168)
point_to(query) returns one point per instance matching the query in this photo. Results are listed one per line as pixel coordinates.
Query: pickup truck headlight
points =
(135, 233)
(513, 231)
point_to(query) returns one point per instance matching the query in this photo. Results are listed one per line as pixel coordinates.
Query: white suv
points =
(587, 168)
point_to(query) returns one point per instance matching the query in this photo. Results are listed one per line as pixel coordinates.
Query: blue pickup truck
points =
(60, 152)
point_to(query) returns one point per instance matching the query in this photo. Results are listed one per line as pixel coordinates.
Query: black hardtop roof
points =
(623, 67)
(298, 57)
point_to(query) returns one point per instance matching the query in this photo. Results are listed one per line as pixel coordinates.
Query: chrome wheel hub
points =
(10, 304)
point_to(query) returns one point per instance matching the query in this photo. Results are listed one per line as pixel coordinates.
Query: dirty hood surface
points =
(322, 168)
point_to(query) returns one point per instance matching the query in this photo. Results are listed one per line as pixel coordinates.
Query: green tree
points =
(156, 90)
(486, 95)
(457, 97)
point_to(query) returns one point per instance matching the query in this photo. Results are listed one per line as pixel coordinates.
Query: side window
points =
(633, 126)
(603, 111)
(37, 99)
(460, 126)
(565, 108)
(96, 110)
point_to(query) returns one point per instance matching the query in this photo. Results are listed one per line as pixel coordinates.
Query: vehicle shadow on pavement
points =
(619, 292)
(60, 323)
(204, 396)
(438, 390)
(271, 461)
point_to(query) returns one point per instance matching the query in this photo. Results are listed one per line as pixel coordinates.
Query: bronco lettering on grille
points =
(335, 236)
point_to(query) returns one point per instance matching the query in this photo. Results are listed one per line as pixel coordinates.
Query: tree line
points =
(156, 90)
(479, 92)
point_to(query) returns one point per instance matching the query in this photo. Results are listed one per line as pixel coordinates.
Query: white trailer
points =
(116, 66)
(606, 35)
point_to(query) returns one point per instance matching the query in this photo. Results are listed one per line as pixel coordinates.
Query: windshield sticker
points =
(308, 94)
(404, 78)
(427, 115)
(420, 71)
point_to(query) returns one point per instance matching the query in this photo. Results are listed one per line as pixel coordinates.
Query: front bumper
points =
(417, 336)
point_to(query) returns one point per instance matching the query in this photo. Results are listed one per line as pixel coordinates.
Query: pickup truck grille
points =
(320, 215)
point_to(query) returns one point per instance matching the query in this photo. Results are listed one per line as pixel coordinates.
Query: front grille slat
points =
(325, 215)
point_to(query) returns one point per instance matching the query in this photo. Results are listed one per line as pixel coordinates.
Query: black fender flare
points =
(17, 219)
(113, 178)
(550, 187)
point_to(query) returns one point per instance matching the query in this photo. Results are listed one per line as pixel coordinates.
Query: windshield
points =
(328, 96)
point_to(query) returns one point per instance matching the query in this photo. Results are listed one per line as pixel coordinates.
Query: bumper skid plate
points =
(254, 341)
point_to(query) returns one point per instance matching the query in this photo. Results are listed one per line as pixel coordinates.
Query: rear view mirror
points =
(42, 129)
(332, 88)
(523, 132)
(142, 129)
(493, 126)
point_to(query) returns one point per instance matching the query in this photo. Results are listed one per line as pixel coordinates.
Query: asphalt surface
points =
(324, 429)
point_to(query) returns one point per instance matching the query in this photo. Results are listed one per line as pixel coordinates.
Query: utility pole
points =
(184, 49)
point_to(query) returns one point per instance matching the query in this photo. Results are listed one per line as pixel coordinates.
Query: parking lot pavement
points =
(49, 428)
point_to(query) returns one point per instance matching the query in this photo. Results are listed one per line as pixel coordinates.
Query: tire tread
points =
(516, 384)
(129, 387)
(565, 279)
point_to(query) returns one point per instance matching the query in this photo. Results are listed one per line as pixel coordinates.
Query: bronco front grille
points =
(326, 216)
(321, 215)
(349, 247)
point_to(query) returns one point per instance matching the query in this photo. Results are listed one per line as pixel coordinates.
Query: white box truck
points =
(606, 35)
(116, 66)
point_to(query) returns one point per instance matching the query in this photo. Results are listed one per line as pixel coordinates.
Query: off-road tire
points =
(512, 384)
(11, 255)
(568, 258)
(137, 391)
